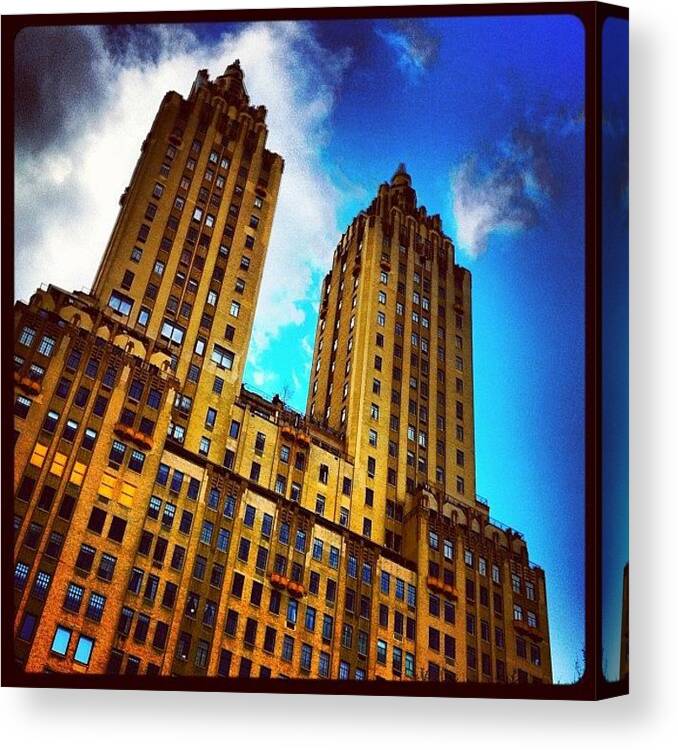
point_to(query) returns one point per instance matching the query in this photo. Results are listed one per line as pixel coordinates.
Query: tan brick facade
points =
(170, 521)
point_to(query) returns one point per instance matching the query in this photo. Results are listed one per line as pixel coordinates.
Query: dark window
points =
(25, 489)
(85, 558)
(106, 566)
(169, 595)
(116, 531)
(125, 621)
(141, 629)
(225, 659)
(100, 404)
(46, 497)
(160, 635)
(231, 622)
(67, 506)
(53, 547)
(238, 584)
(96, 520)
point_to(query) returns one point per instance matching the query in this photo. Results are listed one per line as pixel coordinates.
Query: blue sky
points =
(486, 114)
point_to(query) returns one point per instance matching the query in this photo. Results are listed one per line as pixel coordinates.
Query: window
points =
(287, 648)
(50, 423)
(116, 531)
(292, 608)
(234, 430)
(33, 535)
(95, 606)
(331, 591)
(46, 346)
(36, 372)
(100, 404)
(235, 308)
(317, 549)
(371, 466)
(136, 461)
(172, 332)
(381, 651)
(27, 627)
(204, 447)
(300, 541)
(61, 640)
(20, 574)
(85, 558)
(53, 547)
(21, 406)
(73, 599)
(250, 632)
(280, 484)
(184, 528)
(244, 549)
(41, 585)
(309, 620)
(27, 336)
(206, 532)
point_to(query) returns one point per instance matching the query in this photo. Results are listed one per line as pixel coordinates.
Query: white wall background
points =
(67, 719)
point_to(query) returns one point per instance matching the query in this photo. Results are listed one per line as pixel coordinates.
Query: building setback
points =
(170, 521)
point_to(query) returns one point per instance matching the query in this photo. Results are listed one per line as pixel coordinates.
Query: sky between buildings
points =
(486, 113)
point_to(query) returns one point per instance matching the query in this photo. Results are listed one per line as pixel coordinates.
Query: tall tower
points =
(153, 356)
(392, 363)
(184, 262)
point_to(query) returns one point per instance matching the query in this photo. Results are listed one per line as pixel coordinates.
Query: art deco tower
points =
(392, 366)
(170, 521)
(184, 262)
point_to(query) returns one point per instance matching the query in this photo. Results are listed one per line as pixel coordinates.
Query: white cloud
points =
(67, 188)
(503, 190)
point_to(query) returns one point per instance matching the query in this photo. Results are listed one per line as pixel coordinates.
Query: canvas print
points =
(299, 353)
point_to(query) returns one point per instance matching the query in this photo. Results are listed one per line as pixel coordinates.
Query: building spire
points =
(401, 176)
(234, 70)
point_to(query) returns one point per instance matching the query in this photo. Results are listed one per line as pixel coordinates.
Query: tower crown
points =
(234, 70)
(401, 177)
(233, 80)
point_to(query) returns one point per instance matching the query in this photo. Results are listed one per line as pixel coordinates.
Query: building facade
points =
(168, 520)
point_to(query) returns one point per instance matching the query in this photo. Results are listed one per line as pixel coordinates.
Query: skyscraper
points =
(171, 521)
(392, 367)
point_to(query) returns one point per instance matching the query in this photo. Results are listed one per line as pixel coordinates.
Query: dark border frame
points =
(593, 684)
